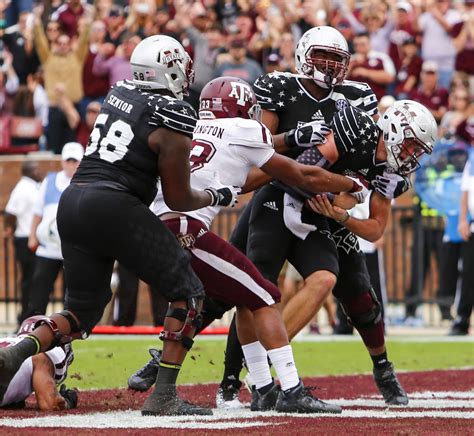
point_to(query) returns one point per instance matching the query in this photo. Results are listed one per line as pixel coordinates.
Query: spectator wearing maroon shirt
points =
(68, 16)
(403, 30)
(409, 70)
(95, 86)
(370, 66)
(463, 34)
(85, 127)
(429, 93)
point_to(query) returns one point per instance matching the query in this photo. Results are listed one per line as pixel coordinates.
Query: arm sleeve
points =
(41, 43)
(16, 202)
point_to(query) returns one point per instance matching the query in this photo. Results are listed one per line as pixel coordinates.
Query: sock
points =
(285, 367)
(28, 347)
(381, 360)
(257, 364)
(233, 357)
(166, 378)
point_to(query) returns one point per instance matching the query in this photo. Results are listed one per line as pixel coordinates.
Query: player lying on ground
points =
(404, 132)
(40, 374)
(228, 142)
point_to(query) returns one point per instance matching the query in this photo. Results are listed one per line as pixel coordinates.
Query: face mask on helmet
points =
(228, 97)
(325, 71)
(409, 131)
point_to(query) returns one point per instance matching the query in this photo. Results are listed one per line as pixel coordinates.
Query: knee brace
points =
(191, 319)
(364, 311)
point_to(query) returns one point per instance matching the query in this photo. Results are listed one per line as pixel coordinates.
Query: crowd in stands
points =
(58, 59)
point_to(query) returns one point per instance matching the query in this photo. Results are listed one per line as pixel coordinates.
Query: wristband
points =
(344, 219)
(289, 139)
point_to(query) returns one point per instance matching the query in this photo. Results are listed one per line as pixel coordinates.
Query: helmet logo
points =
(241, 92)
(170, 58)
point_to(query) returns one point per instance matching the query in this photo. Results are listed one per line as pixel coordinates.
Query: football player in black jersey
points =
(381, 155)
(289, 101)
(142, 135)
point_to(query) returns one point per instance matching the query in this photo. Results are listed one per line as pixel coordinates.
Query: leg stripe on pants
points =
(233, 272)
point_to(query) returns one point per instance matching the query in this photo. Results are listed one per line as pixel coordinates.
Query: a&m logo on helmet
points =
(241, 92)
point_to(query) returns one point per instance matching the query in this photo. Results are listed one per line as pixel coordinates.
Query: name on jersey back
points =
(208, 129)
(119, 104)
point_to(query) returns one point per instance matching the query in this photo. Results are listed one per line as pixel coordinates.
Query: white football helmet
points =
(326, 73)
(160, 62)
(409, 130)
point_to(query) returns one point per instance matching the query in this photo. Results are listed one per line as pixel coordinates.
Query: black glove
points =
(308, 135)
(223, 196)
(391, 185)
(69, 395)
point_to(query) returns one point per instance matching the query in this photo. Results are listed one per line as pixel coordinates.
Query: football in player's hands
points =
(308, 135)
(69, 395)
(226, 196)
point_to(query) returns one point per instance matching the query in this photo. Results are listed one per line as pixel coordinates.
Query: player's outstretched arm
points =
(44, 385)
(307, 177)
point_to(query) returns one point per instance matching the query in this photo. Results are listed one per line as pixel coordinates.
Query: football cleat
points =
(227, 396)
(300, 400)
(145, 377)
(389, 386)
(261, 402)
(169, 404)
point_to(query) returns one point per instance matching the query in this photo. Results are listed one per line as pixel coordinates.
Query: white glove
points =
(391, 185)
(226, 196)
(307, 135)
(360, 194)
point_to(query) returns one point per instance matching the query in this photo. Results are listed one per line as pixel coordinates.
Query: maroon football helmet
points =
(228, 97)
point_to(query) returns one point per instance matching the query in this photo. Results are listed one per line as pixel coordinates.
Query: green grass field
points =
(107, 362)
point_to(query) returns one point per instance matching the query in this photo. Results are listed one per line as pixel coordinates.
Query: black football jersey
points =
(284, 94)
(118, 149)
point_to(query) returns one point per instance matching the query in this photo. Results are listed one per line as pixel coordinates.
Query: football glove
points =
(224, 196)
(359, 191)
(391, 185)
(69, 395)
(308, 135)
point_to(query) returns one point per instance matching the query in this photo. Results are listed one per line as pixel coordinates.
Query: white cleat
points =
(227, 398)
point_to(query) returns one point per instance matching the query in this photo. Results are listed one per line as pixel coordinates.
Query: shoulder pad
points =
(359, 94)
(268, 87)
(173, 114)
(249, 133)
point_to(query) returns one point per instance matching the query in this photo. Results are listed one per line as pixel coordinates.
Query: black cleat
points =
(267, 401)
(300, 400)
(389, 386)
(227, 396)
(169, 404)
(145, 377)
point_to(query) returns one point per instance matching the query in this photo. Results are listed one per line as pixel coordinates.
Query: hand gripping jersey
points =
(117, 152)
(21, 385)
(224, 150)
